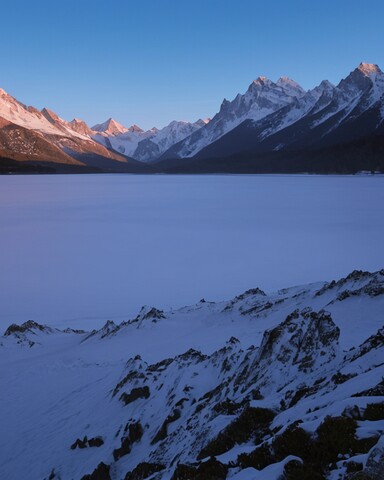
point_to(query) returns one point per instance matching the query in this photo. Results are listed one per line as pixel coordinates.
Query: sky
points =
(151, 62)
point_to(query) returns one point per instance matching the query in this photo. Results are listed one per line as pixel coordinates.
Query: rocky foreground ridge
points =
(283, 386)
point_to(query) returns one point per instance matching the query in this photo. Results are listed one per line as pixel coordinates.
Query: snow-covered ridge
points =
(265, 111)
(263, 385)
(145, 146)
(268, 108)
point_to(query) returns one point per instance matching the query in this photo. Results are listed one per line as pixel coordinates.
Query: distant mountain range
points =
(272, 127)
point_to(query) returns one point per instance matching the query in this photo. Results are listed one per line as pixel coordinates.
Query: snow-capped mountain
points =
(287, 385)
(325, 116)
(145, 146)
(111, 127)
(261, 99)
(269, 118)
(121, 139)
(151, 148)
(28, 134)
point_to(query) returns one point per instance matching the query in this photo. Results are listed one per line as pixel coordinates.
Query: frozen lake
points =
(78, 250)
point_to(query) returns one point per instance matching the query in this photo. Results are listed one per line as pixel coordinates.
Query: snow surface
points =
(64, 385)
(78, 250)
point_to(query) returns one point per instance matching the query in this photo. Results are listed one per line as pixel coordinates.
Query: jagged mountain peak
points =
(51, 116)
(135, 128)
(261, 82)
(80, 126)
(202, 121)
(369, 68)
(361, 78)
(283, 81)
(327, 84)
(111, 127)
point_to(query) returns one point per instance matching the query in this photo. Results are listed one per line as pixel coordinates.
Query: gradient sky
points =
(150, 62)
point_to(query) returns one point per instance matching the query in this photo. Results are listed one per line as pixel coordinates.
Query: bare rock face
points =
(101, 472)
(144, 470)
(375, 463)
(304, 342)
(30, 325)
(132, 434)
(24, 333)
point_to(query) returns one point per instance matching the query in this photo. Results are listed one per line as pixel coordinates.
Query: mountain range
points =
(272, 127)
(265, 386)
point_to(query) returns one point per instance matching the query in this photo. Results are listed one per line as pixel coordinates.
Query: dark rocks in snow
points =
(28, 326)
(318, 452)
(296, 470)
(184, 472)
(75, 330)
(359, 283)
(251, 292)
(160, 366)
(148, 314)
(375, 462)
(305, 342)
(294, 441)
(85, 443)
(96, 442)
(101, 472)
(339, 377)
(163, 432)
(133, 433)
(135, 394)
(131, 376)
(252, 423)
(373, 342)
(212, 469)
(229, 407)
(144, 470)
(374, 411)
(301, 393)
(192, 354)
(80, 443)
(260, 458)
(257, 308)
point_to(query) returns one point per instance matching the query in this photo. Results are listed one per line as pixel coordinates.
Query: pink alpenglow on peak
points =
(110, 127)
(369, 69)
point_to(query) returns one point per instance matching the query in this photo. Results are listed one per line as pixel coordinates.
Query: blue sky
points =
(150, 62)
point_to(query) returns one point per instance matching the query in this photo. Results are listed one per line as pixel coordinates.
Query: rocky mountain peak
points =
(288, 83)
(361, 78)
(80, 126)
(135, 128)
(368, 69)
(110, 127)
(51, 116)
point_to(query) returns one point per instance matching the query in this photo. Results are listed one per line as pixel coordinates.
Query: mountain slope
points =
(145, 146)
(323, 117)
(262, 98)
(30, 135)
(263, 385)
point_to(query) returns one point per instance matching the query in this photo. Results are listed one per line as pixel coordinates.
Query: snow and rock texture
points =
(145, 146)
(286, 385)
(110, 127)
(269, 118)
(262, 98)
(30, 135)
(281, 117)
